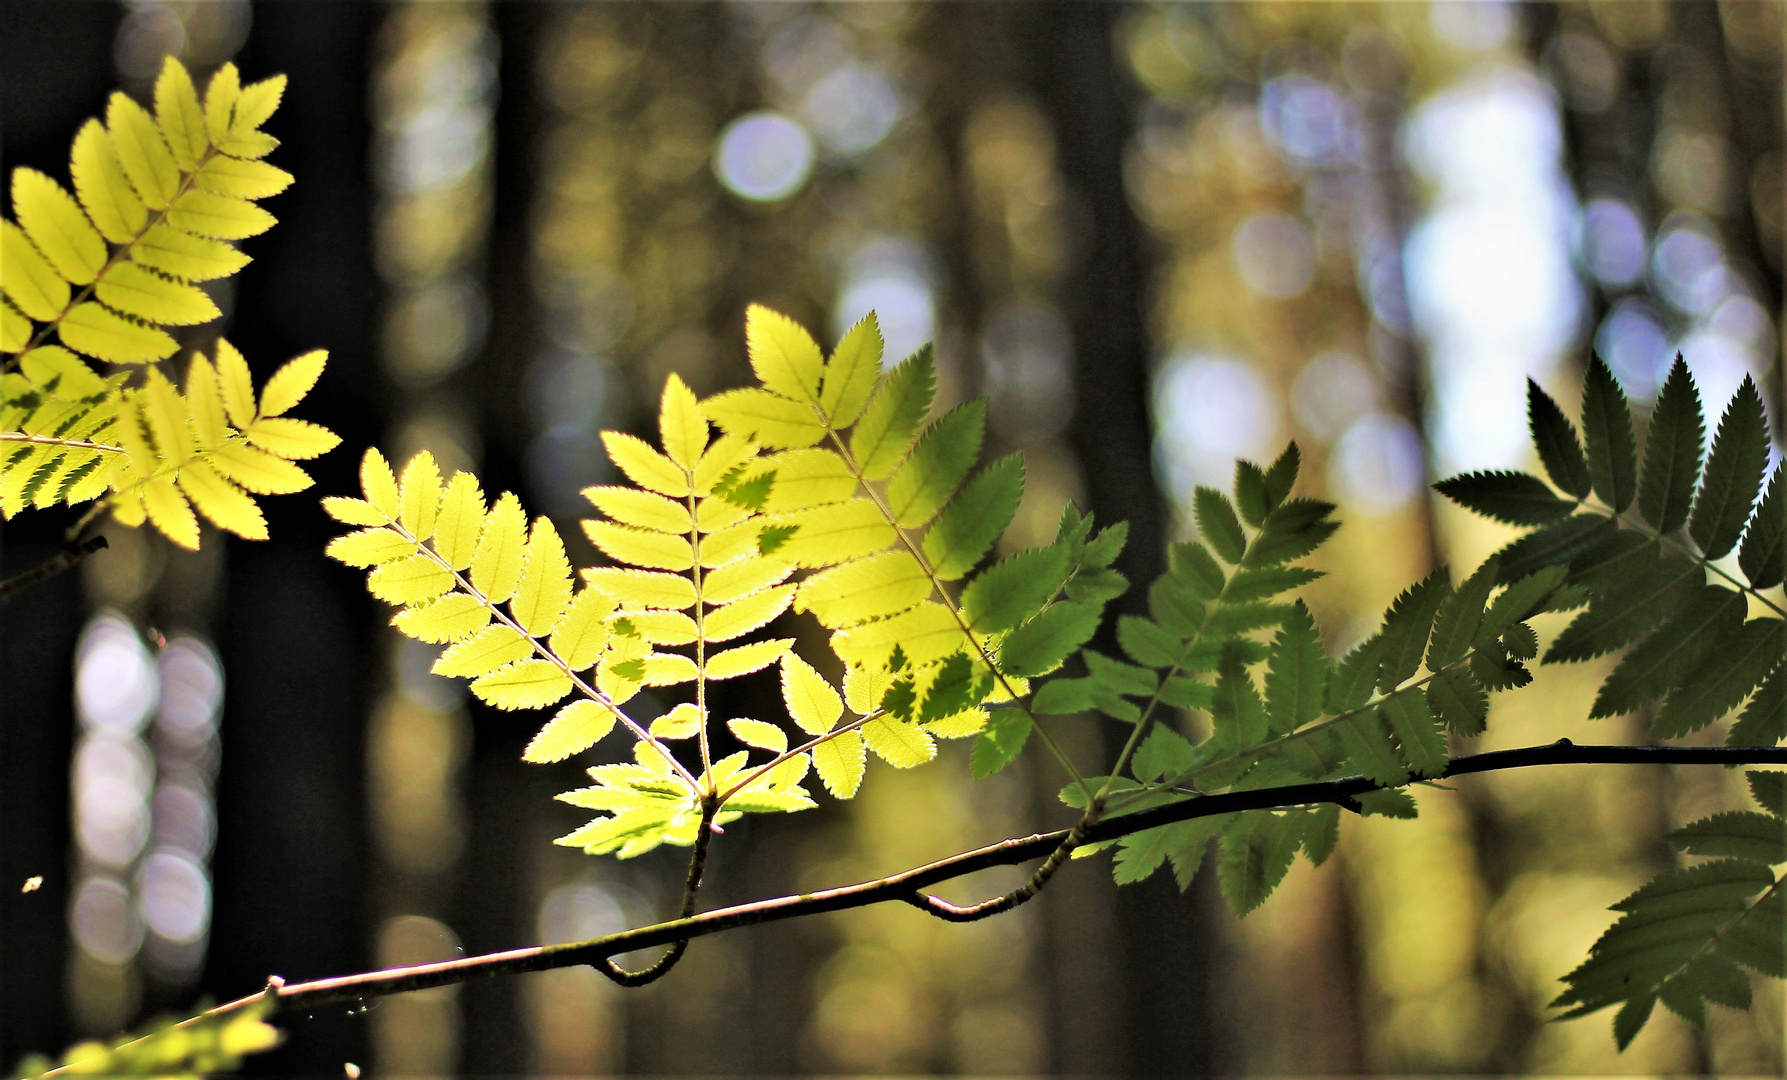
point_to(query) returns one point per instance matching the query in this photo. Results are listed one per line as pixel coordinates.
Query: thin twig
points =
(74, 549)
(907, 886)
(691, 886)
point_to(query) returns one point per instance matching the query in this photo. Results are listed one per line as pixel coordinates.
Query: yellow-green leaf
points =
(577, 727)
(218, 216)
(890, 422)
(145, 157)
(502, 547)
(293, 439)
(223, 502)
(662, 627)
(545, 585)
(165, 411)
(805, 478)
(726, 453)
(28, 278)
(485, 651)
(765, 417)
(354, 511)
(668, 669)
(242, 179)
(839, 761)
(937, 465)
(209, 425)
(258, 471)
(287, 386)
(825, 535)
(871, 588)
(784, 356)
(864, 687)
(746, 658)
(582, 632)
(70, 375)
(639, 547)
(713, 514)
(680, 423)
(812, 703)
(409, 581)
(418, 494)
(182, 120)
(99, 333)
(15, 329)
(234, 383)
(743, 616)
(453, 617)
(630, 506)
(102, 187)
(898, 743)
(926, 633)
(525, 684)
(131, 289)
(641, 588)
(185, 256)
(645, 466)
(851, 372)
(733, 542)
(170, 512)
(759, 734)
(220, 102)
(256, 103)
(737, 580)
(460, 517)
(56, 225)
(379, 484)
(370, 547)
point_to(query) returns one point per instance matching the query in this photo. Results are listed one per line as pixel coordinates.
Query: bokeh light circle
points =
(763, 157)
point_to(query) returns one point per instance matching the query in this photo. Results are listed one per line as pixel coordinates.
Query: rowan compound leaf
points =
(1737, 834)
(485, 651)
(643, 589)
(1042, 644)
(1014, 589)
(840, 761)
(544, 588)
(218, 217)
(379, 484)
(185, 256)
(95, 331)
(1733, 666)
(1407, 628)
(1769, 789)
(1370, 750)
(1672, 448)
(102, 187)
(225, 504)
(1146, 642)
(645, 466)
(897, 742)
(453, 617)
(851, 373)
(1461, 612)
(242, 179)
(746, 658)
(577, 727)
(640, 547)
(353, 511)
(812, 703)
(1297, 674)
(419, 495)
(870, 588)
(630, 506)
(181, 118)
(1461, 704)
(221, 94)
(890, 422)
(1764, 719)
(457, 520)
(54, 222)
(287, 386)
(1218, 525)
(680, 423)
(1422, 742)
(803, 478)
(759, 734)
(256, 103)
(743, 616)
(1650, 670)
(784, 356)
(765, 417)
(502, 545)
(581, 634)
(937, 465)
(1763, 558)
(972, 522)
(411, 580)
(826, 535)
(525, 684)
(1607, 426)
(1201, 574)
(1512, 497)
(1733, 474)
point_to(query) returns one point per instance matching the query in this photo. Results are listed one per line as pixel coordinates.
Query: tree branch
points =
(908, 885)
(61, 561)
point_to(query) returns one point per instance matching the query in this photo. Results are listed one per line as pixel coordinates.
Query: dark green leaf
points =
(1238, 712)
(1145, 642)
(973, 520)
(1459, 702)
(1672, 452)
(1218, 525)
(1189, 841)
(1250, 493)
(1229, 620)
(1764, 555)
(1512, 497)
(1559, 449)
(1281, 476)
(1613, 559)
(1013, 589)
(1406, 629)
(1266, 582)
(1665, 659)
(1736, 834)
(1631, 1019)
(938, 464)
(1759, 940)
(1074, 526)
(1733, 474)
(1607, 427)
(1119, 677)
(1520, 601)
(1102, 550)
(1390, 803)
(1456, 625)
(1764, 720)
(1163, 753)
(1628, 610)
(1769, 789)
(890, 423)
(1252, 859)
(1497, 672)
(1297, 675)
(1554, 545)
(952, 691)
(1096, 586)
(1732, 668)
(1320, 833)
(1292, 531)
(1000, 742)
(1369, 749)
(1423, 744)
(1679, 997)
(901, 698)
(1355, 676)
(1040, 645)
(1184, 692)
(773, 537)
(1519, 642)
(1174, 607)
(1193, 565)
(1061, 696)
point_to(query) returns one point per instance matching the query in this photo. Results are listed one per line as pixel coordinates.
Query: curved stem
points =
(691, 886)
(754, 775)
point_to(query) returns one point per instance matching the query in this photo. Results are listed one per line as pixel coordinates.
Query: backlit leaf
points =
(56, 225)
(743, 616)
(851, 373)
(1607, 426)
(1013, 589)
(1733, 474)
(1512, 497)
(680, 423)
(839, 761)
(104, 335)
(1040, 645)
(937, 464)
(102, 187)
(897, 742)
(544, 588)
(645, 466)
(145, 157)
(746, 658)
(577, 727)
(765, 417)
(223, 502)
(783, 355)
(890, 423)
(759, 734)
(640, 547)
(29, 280)
(502, 545)
(409, 580)
(129, 288)
(642, 589)
(1763, 558)
(1218, 525)
(582, 632)
(453, 617)
(458, 520)
(485, 651)
(812, 702)
(287, 386)
(525, 684)
(971, 523)
(293, 439)
(1672, 446)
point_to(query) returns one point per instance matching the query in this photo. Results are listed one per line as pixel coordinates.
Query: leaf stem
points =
(1705, 563)
(805, 747)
